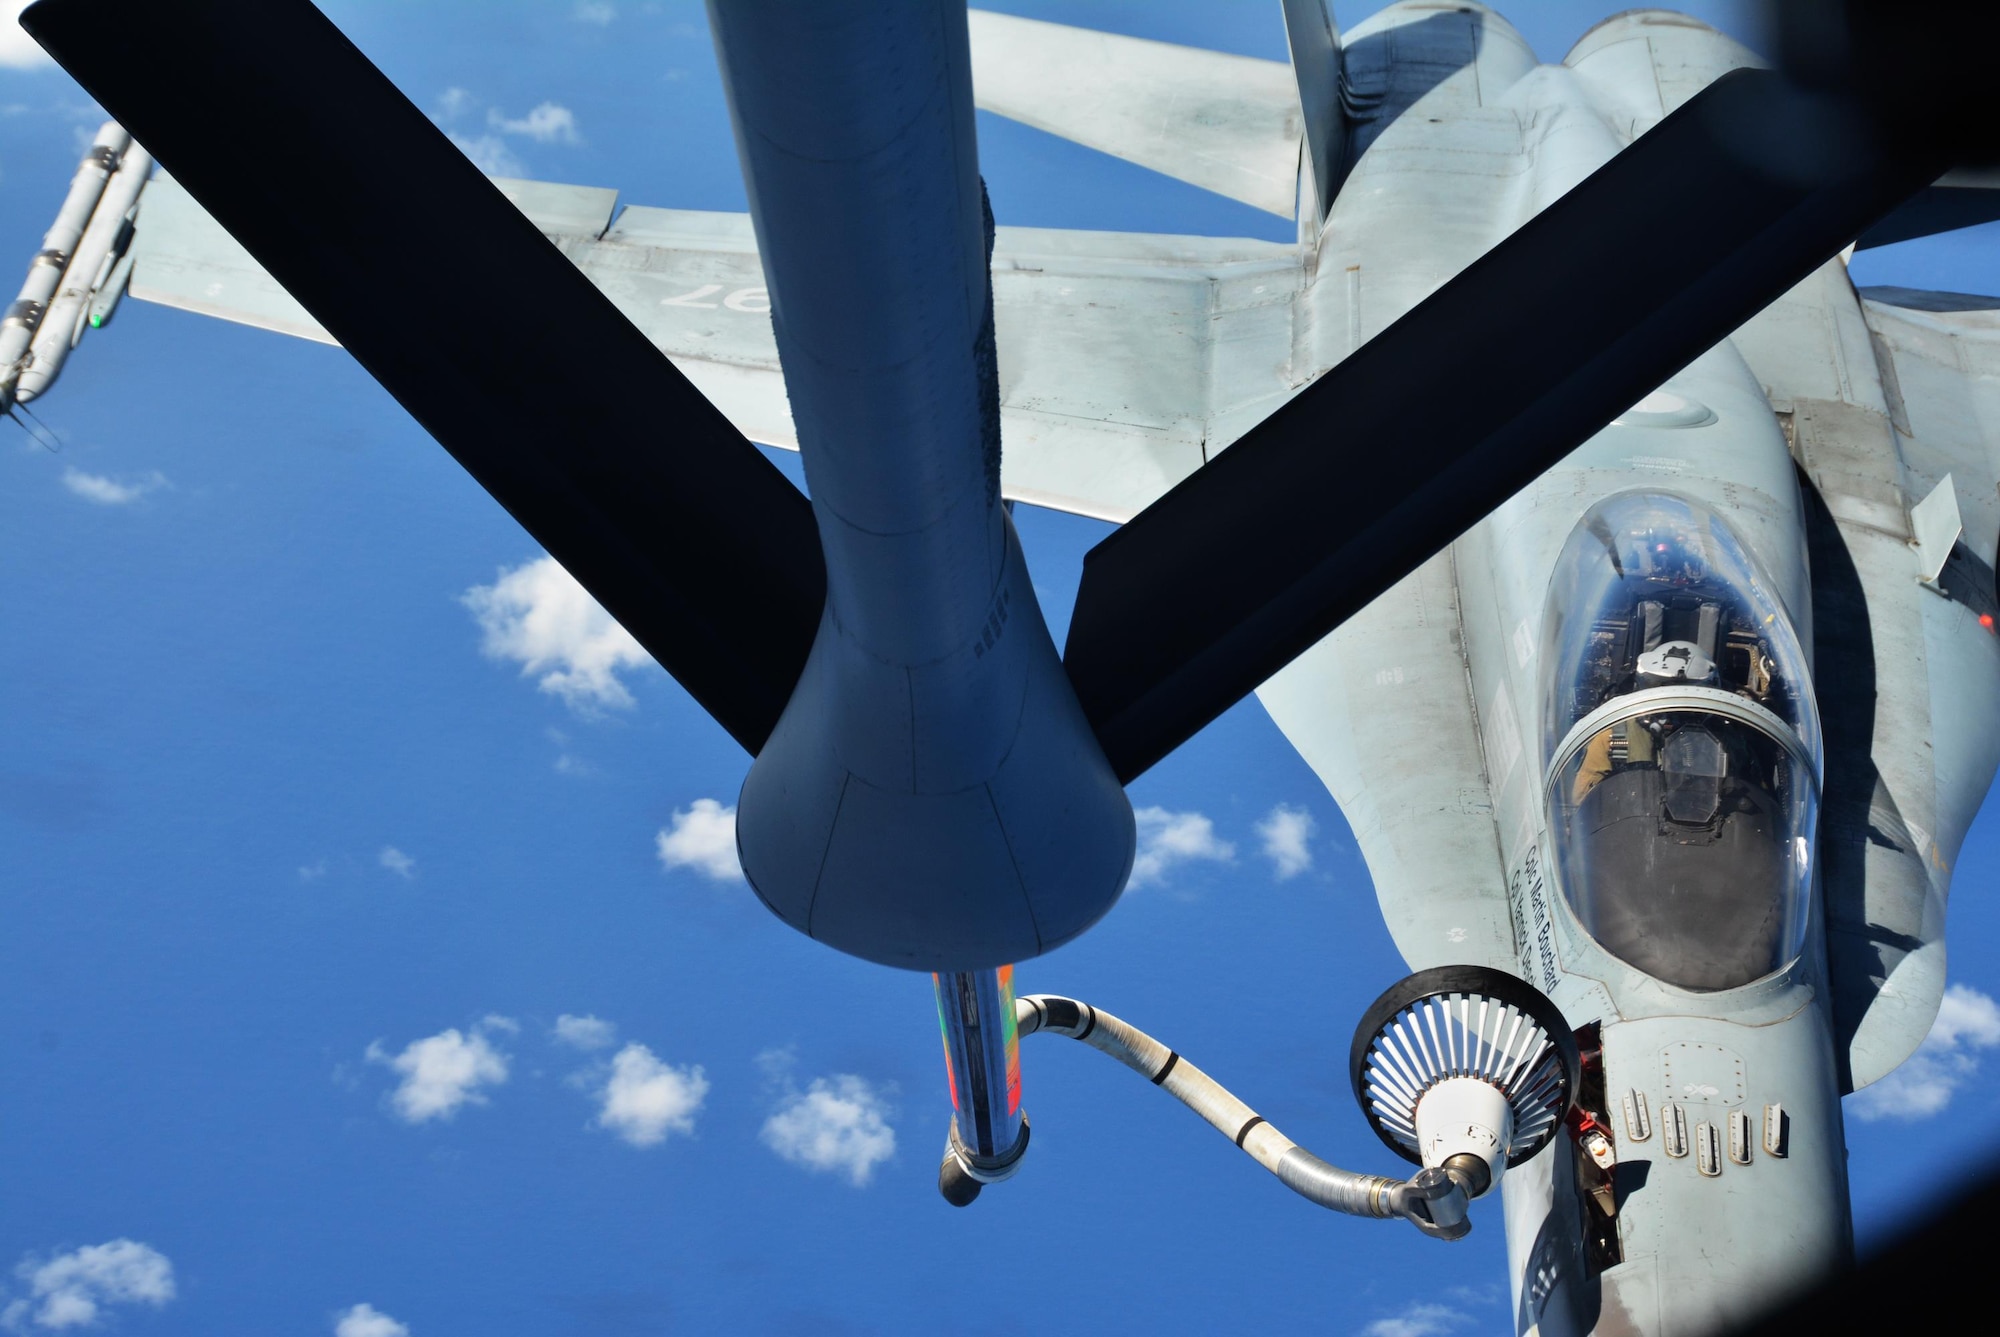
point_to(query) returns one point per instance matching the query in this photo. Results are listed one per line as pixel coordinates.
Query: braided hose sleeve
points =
(1296, 1168)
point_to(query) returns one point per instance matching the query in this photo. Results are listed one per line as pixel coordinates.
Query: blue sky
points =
(364, 965)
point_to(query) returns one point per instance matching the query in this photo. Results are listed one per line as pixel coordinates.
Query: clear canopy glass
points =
(1655, 590)
(1682, 746)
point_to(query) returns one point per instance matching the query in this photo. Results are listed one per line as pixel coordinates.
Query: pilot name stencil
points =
(1531, 913)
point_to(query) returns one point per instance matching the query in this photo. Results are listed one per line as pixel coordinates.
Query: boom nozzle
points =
(982, 1054)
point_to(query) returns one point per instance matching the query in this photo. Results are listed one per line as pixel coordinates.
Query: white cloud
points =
(645, 1099)
(777, 1065)
(839, 1123)
(1287, 835)
(599, 12)
(71, 1289)
(585, 1033)
(365, 1320)
(397, 862)
(548, 123)
(1967, 1021)
(442, 1073)
(1965, 1014)
(489, 153)
(538, 616)
(18, 51)
(1169, 838)
(1419, 1320)
(108, 491)
(567, 762)
(312, 872)
(702, 837)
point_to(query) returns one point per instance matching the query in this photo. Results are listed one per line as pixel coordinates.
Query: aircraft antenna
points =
(41, 434)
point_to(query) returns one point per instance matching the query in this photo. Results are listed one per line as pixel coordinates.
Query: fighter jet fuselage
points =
(1615, 738)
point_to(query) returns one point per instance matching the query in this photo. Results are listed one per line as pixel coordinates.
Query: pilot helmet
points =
(1676, 661)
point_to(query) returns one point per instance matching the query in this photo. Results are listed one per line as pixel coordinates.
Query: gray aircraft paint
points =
(932, 796)
(1698, 1250)
(1423, 713)
(1154, 313)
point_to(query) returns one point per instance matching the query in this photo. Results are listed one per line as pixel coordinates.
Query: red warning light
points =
(1986, 621)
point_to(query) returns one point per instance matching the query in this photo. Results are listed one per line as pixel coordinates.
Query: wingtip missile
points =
(40, 326)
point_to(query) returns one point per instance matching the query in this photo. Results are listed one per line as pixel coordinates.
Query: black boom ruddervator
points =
(750, 595)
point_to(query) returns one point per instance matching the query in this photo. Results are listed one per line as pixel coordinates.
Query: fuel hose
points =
(1433, 1200)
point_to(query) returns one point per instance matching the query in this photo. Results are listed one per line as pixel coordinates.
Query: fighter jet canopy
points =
(1681, 743)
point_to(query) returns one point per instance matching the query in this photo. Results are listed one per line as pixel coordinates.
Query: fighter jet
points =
(1623, 571)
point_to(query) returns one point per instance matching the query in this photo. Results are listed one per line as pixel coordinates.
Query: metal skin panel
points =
(1314, 45)
(1453, 58)
(1682, 56)
(932, 796)
(1189, 339)
(1777, 1224)
(1240, 568)
(1700, 1254)
(1125, 360)
(1226, 123)
(1410, 779)
(1380, 710)
(691, 281)
(184, 258)
(558, 210)
(1739, 465)
(1939, 377)
(1878, 416)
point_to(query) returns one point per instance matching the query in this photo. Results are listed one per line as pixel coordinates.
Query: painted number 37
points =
(754, 300)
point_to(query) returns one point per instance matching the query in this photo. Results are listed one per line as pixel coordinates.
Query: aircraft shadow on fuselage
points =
(1370, 69)
(1855, 804)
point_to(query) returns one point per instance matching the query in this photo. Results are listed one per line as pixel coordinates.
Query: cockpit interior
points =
(1681, 742)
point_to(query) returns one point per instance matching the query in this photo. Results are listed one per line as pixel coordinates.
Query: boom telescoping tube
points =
(982, 1055)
